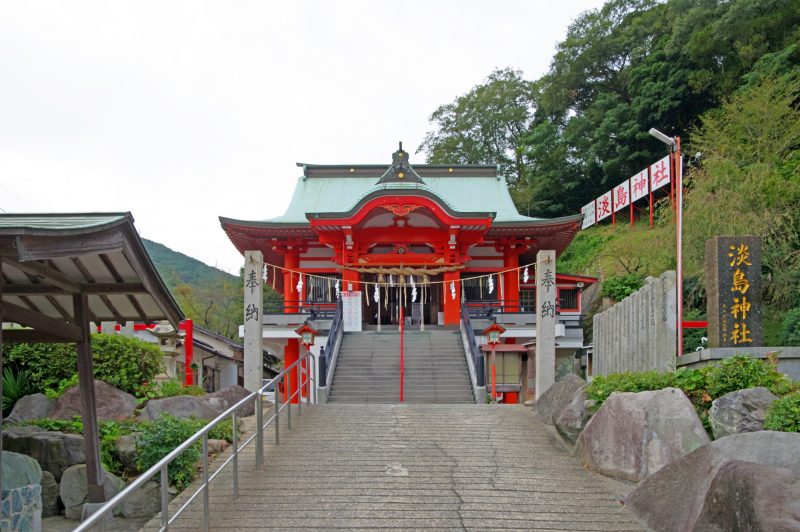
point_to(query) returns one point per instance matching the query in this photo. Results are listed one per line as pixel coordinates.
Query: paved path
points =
(459, 467)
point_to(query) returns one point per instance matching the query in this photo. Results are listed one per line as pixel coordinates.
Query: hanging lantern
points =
(525, 275)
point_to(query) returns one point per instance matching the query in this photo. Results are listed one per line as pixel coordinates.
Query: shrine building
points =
(451, 231)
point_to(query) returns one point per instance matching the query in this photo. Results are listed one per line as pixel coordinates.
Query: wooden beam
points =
(55, 327)
(40, 247)
(90, 289)
(46, 273)
(91, 436)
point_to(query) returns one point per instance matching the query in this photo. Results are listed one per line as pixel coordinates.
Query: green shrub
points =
(159, 438)
(15, 386)
(784, 414)
(618, 287)
(742, 371)
(790, 328)
(168, 388)
(121, 361)
(603, 386)
(62, 387)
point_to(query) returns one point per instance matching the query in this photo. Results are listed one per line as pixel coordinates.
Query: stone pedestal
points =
(545, 320)
(253, 320)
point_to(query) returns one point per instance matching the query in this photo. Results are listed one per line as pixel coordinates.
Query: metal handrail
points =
(98, 517)
(330, 346)
(475, 352)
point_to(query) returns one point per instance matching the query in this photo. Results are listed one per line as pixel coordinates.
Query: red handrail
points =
(402, 362)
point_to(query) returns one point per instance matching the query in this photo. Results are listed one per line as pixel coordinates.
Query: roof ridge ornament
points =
(400, 171)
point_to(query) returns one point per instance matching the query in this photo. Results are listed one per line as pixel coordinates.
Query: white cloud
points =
(184, 111)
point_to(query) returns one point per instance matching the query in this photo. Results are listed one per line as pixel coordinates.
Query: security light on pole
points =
(675, 149)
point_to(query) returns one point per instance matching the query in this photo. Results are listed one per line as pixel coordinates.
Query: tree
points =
(485, 125)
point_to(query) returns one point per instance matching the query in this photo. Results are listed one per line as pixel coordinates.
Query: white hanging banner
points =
(659, 174)
(604, 206)
(589, 216)
(639, 186)
(622, 195)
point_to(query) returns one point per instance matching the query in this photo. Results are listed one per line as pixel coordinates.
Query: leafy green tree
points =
(485, 125)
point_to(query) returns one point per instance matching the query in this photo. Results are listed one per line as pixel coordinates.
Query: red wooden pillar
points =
(290, 277)
(452, 306)
(350, 277)
(188, 352)
(511, 279)
(290, 355)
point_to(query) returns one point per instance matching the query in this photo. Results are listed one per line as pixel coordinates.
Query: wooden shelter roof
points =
(47, 259)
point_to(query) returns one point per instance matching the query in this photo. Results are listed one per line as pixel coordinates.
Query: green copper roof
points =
(60, 222)
(461, 194)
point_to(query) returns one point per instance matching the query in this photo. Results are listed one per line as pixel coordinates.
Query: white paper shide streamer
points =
(376, 297)
(491, 284)
(300, 284)
(413, 290)
(265, 273)
(336, 287)
(525, 276)
(453, 290)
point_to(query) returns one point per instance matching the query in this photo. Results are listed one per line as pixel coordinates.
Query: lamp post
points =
(493, 332)
(674, 144)
(307, 335)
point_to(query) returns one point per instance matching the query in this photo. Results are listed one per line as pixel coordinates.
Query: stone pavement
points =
(368, 467)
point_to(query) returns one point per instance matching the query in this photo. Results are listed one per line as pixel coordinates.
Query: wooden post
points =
(91, 438)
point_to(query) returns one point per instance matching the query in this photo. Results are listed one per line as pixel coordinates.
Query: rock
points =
(217, 404)
(182, 406)
(232, 395)
(49, 495)
(633, 435)
(73, 490)
(673, 498)
(557, 397)
(19, 470)
(740, 411)
(144, 502)
(125, 447)
(747, 496)
(34, 406)
(217, 446)
(55, 451)
(112, 404)
(571, 420)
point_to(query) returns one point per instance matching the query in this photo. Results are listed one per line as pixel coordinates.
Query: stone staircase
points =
(368, 369)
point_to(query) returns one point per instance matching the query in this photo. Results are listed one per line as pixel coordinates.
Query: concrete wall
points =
(638, 333)
(788, 357)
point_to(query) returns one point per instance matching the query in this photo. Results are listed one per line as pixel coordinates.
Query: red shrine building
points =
(442, 228)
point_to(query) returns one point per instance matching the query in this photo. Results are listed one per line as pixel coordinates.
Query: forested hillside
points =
(723, 75)
(207, 295)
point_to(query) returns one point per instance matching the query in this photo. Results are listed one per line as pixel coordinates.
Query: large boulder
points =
(19, 470)
(144, 502)
(112, 403)
(557, 397)
(125, 447)
(633, 435)
(49, 495)
(55, 451)
(571, 420)
(74, 490)
(740, 411)
(34, 406)
(746, 496)
(184, 406)
(674, 497)
(232, 395)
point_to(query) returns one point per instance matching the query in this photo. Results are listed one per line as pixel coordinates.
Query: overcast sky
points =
(183, 111)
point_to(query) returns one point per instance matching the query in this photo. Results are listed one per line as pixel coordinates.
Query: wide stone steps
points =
(368, 369)
(460, 467)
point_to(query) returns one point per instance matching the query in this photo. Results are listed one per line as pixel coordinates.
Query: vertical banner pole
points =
(679, 241)
(650, 192)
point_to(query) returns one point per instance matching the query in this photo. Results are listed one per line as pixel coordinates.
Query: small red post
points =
(188, 351)
(613, 209)
(631, 206)
(402, 362)
(494, 376)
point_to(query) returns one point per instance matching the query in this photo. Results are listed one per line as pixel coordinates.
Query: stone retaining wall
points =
(21, 509)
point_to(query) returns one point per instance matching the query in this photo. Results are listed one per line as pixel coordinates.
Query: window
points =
(527, 300)
(322, 288)
(568, 300)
